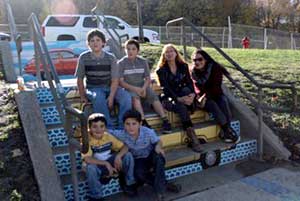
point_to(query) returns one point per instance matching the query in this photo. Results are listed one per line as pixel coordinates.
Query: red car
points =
(64, 60)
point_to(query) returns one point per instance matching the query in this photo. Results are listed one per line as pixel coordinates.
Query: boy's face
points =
(96, 44)
(97, 129)
(131, 51)
(132, 126)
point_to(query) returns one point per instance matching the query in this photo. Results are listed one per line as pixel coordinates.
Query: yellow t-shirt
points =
(102, 149)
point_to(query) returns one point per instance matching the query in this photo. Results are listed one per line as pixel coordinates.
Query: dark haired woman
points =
(208, 76)
(178, 91)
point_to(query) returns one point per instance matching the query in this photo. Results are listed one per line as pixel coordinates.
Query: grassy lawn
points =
(277, 65)
(266, 66)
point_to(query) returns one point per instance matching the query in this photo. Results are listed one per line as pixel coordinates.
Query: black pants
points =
(219, 107)
(151, 170)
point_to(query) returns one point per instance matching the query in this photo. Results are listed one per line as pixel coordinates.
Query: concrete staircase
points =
(181, 160)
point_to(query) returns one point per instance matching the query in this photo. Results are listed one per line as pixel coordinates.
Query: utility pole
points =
(140, 20)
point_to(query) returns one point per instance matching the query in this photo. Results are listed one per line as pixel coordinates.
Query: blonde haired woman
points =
(178, 91)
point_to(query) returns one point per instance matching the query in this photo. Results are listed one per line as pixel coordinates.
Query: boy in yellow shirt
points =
(104, 156)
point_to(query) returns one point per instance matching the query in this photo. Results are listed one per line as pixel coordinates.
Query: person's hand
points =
(143, 94)
(181, 99)
(111, 169)
(118, 163)
(83, 100)
(110, 102)
(159, 150)
(189, 99)
(139, 91)
(202, 101)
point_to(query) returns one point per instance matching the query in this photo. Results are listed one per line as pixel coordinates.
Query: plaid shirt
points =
(142, 146)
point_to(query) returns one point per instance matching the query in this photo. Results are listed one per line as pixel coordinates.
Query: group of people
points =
(132, 147)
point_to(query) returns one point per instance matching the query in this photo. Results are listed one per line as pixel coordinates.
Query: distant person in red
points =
(246, 42)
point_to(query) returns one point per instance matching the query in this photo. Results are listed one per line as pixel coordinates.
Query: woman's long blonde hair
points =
(162, 60)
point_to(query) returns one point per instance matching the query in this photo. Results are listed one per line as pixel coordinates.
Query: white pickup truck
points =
(75, 27)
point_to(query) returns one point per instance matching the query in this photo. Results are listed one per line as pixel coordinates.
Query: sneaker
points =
(160, 197)
(166, 127)
(174, 188)
(130, 190)
(230, 136)
(95, 199)
(145, 123)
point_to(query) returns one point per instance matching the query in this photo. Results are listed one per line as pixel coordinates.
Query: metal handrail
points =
(237, 66)
(66, 112)
(259, 105)
(15, 34)
(116, 42)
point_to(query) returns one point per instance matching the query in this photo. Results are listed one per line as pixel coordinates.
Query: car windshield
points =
(61, 55)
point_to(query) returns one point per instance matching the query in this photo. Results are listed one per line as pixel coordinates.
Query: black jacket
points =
(171, 84)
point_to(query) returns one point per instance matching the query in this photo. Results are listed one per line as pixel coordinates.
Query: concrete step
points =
(183, 161)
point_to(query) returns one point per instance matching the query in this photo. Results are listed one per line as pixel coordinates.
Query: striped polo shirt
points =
(98, 71)
(134, 72)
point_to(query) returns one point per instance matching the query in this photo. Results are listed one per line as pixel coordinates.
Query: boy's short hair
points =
(95, 117)
(95, 32)
(133, 42)
(132, 114)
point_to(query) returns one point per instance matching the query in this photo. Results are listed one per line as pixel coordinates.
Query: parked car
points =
(75, 27)
(64, 60)
(4, 36)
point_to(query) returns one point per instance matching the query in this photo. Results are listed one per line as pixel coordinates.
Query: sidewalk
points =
(277, 184)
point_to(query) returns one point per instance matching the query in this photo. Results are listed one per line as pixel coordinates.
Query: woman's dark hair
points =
(95, 117)
(133, 42)
(132, 114)
(208, 59)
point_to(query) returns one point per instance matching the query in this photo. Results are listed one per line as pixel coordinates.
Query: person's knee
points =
(128, 159)
(92, 169)
(123, 97)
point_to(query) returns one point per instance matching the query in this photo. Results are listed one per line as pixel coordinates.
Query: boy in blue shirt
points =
(146, 148)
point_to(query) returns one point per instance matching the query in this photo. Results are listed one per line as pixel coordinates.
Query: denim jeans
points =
(220, 108)
(94, 173)
(98, 97)
(143, 173)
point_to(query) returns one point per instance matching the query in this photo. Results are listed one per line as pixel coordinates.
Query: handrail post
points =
(68, 127)
(260, 122)
(183, 37)
(36, 54)
(15, 35)
(295, 98)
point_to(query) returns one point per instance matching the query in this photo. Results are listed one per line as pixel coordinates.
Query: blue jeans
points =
(98, 97)
(94, 173)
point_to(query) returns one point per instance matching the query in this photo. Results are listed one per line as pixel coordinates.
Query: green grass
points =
(278, 65)
(266, 66)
